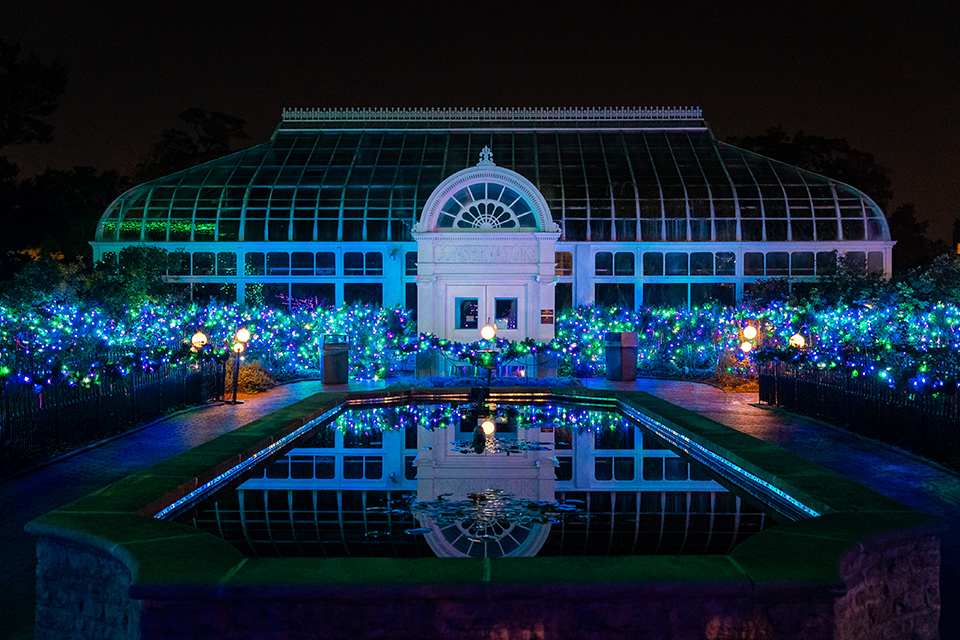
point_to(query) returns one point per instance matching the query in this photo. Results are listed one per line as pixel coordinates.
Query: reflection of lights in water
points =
(750, 332)
(746, 347)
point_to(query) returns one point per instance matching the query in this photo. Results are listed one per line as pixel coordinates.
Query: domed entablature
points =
(486, 198)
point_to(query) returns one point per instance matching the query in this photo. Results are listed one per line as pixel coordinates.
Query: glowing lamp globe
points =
(796, 340)
(488, 427)
(238, 347)
(488, 332)
(750, 332)
(243, 336)
(198, 340)
(746, 347)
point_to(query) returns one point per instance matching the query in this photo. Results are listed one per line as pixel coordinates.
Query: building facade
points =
(504, 216)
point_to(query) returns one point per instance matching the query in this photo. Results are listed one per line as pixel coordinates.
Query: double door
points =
(469, 307)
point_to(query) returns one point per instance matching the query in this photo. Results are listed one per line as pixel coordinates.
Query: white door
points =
(469, 307)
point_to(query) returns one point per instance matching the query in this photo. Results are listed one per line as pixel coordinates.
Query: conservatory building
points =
(501, 216)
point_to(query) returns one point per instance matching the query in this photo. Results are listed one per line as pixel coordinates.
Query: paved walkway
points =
(897, 475)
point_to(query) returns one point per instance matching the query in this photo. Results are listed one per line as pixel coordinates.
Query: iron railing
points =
(918, 422)
(40, 422)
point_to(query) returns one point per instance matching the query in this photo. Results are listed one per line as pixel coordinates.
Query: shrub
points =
(253, 377)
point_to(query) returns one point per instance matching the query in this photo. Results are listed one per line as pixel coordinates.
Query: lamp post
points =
(240, 339)
(488, 357)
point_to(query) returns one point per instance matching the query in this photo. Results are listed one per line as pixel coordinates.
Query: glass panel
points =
(623, 468)
(801, 263)
(563, 297)
(309, 295)
(278, 263)
(653, 468)
(352, 467)
(301, 264)
(410, 263)
(676, 264)
(326, 263)
(665, 295)
(179, 263)
(857, 260)
(363, 293)
(726, 263)
(373, 468)
(614, 438)
(701, 264)
(604, 264)
(875, 262)
(712, 292)
(203, 263)
(226, 264)
(676, 469)
(619, 294)
(623, 264)
(653, 263)
(753, 264)
(564, 470)
(826, 263)
(324, 467)
(374, 263)
(603, 468)
(301, 467)
(564, 263)
(778, 263)
(353, 263)
(505, 310)
(467, 310)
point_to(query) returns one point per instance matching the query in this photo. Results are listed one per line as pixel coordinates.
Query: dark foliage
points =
(210, 135)
(831, 157)
(29, 90)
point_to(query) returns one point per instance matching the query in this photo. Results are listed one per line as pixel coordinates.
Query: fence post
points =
(57, 427)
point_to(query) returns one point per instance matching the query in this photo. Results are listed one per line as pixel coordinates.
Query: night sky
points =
(883, 75)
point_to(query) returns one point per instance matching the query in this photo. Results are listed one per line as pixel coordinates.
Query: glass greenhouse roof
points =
(607, 174)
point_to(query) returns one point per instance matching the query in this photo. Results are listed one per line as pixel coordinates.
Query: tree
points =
(136, 278)
(43, 278)
(913, 248)
(28, 95)
(69, 203)
(211, 135)
(831, 157)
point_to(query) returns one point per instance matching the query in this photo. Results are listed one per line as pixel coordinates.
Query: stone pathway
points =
(30, 495)
(898, 475)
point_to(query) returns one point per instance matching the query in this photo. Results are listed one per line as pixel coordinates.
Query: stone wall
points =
(606, 612)
(893, 589)
(83, 594)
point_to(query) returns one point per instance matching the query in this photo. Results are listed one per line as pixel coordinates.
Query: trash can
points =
(620, 350)
(336, 359)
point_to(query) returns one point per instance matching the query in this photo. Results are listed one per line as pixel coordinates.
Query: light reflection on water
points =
(414, 481)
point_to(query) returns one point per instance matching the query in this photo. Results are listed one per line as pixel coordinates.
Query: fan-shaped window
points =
(486, 206)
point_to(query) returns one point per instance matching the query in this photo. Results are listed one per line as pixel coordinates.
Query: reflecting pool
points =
(481, 480)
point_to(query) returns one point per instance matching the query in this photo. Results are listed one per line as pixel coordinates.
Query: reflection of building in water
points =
(348, 491)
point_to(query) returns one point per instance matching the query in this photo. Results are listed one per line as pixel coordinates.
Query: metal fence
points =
(917, 422)
(39, 422)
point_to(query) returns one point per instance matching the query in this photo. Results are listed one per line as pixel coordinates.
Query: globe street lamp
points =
(240, 340)
(488, 357)
(199, 340)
